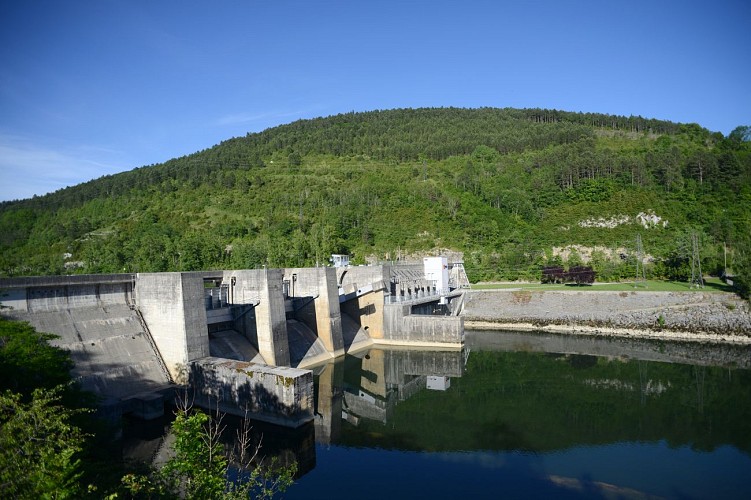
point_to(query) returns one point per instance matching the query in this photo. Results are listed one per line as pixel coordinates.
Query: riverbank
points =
(685, 316)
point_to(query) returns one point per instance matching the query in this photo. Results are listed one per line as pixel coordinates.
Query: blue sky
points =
(94, 87)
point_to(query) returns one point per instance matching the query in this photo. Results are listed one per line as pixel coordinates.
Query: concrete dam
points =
(243, 340)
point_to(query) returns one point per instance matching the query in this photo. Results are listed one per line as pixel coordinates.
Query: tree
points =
(199, 468)
(294, 159)
(28, 361)
(40, 440)
(742, 264)
(44, 452)
(464, 180)
(740, 134)
(667, 164)
(702, 165)
(39, 446)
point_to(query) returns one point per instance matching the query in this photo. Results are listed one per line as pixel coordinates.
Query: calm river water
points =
(532, 416)
(527, 416)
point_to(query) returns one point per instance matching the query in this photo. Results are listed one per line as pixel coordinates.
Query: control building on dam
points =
(240, 339)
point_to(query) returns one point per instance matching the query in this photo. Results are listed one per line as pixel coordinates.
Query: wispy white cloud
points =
(239, 118)
(267, 118)
(28, 168)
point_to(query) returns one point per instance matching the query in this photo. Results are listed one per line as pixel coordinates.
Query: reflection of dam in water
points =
(532, 415)
(513, 391)
(365, 386)
(240, 338)
(370, 384)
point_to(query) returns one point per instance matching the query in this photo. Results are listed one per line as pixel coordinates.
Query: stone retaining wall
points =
(698, 312)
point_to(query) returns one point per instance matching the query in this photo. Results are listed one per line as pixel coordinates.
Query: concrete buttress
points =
(172, 304)
(264, 286)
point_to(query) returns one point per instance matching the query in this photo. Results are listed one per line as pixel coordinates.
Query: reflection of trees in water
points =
(541, 401)
(582, 360)
(643, 380)
(700, 373)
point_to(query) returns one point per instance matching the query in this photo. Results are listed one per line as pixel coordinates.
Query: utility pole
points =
(696, 277)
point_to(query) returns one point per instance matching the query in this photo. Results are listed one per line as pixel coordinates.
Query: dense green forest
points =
(506, 187)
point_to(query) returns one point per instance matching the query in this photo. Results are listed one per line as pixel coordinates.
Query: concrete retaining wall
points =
(431, 329)
(402, 327)
(280, 395)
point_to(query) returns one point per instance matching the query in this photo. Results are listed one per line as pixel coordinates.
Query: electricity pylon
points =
(696, 277)
(641, 278)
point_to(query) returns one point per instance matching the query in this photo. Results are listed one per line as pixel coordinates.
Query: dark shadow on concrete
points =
(352, 331)
(249, 398)
(303, 342)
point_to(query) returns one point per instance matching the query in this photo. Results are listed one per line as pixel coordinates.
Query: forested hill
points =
(506, 187)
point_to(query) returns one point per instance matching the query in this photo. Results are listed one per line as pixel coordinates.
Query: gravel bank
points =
(693, 316)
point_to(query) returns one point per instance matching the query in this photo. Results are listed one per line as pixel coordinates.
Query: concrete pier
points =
(264, 288)
(317, 293)
(277, 395)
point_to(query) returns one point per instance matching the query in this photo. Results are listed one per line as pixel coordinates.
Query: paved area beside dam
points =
(704, 316)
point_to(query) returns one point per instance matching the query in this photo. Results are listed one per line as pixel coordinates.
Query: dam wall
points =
(131, 336)
(94, 319)
(134, 336)
(59, 293)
